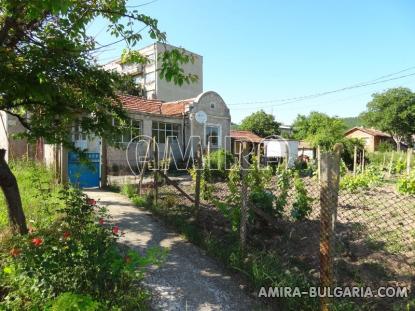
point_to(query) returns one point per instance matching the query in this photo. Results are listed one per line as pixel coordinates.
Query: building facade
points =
(148, 78)
(371, 137)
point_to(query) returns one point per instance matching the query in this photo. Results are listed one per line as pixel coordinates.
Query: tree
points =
(260, 123)
(393, 112)
(49, 77)
(127, 85)
(319, 129)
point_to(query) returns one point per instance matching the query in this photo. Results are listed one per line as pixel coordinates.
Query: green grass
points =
(35, 182)
(260, 268)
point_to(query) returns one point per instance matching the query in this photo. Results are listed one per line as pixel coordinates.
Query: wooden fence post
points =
(156, 168)
(329, 188)
(363, 160)
(318, 163)
(244, 165)
(408, 161)
(391, 164)
(199, 166)
(354, 160)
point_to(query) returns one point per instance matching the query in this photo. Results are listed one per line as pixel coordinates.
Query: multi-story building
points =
(147, 75)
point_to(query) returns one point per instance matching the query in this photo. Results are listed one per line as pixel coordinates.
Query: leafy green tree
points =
(126, 85)
(319, 129)
(260, 123)
(393, 112)
(49, 76)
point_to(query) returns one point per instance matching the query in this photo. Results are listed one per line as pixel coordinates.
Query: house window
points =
(212, 135)
(150, 77)
(79, 138)
(162, 130)
(129, 131)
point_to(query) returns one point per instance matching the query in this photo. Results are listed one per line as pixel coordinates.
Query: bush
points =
(128, 190)
(77, 254)
(283, 185)
(369, 178)
(74, 302)
(348, 150)
(218, 163)
(139, 201)
(406, 184)
(301, 206)
(263, 199)
(386, 146)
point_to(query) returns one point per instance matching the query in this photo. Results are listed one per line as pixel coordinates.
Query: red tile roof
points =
(245, 136)
(154, 106)
(372, 132)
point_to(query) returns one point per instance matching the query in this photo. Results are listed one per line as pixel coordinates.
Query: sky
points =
(257, 54)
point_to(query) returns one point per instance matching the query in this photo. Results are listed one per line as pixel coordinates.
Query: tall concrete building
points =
(148, 76)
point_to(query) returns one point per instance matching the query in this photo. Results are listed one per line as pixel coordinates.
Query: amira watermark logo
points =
(335, 292)
(142, 149)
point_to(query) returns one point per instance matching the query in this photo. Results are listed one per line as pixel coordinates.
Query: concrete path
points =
(188, 280)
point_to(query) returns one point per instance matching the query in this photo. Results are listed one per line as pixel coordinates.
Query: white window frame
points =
(179, 128)
(140, 122)
(219, 127)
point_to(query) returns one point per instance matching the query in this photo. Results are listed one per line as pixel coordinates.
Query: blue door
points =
(84, 175)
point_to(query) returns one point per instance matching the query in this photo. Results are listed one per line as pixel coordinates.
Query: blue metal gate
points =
(84, 175)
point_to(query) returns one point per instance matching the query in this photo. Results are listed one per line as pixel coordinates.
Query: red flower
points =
(37, 242)
(14, 252)
(115, 230)
(66, 235)
(127, 259)
(101, 221)
(91, 201)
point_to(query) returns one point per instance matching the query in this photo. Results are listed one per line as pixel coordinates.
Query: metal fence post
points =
(244, 165)
(329, 189)
(156, 168)
(199, 166)
(354, 160)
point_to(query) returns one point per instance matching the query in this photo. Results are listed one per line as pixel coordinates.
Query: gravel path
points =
(188, 280)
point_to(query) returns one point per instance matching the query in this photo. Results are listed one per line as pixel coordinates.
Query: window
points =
(212, 135)
(150, 77)
(162, 130)
(78, 137)
(129, 131)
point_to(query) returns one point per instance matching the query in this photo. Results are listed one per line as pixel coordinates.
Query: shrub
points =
(386, 146)
(77, 254)
(369, 178)
(218, 162)
(74, 302)
(406, 184)
(139, 201)
(263, 199)
(128, 190)
(301, 206)
(283, 185)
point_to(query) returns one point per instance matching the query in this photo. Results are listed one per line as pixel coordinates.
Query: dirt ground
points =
(375, 234)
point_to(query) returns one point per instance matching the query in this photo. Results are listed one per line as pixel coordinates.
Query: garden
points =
(374, 238)
(70, 260)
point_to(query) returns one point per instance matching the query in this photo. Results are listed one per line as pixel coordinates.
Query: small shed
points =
(371, 137)
(238, 137)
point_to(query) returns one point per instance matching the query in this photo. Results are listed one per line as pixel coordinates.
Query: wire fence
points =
(360, 238)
